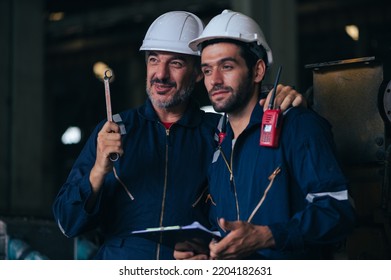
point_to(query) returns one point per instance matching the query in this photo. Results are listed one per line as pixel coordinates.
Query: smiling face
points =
(227, 79)
(170, 79)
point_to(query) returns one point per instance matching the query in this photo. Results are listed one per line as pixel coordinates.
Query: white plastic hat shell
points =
(172, 32)
(233, 25)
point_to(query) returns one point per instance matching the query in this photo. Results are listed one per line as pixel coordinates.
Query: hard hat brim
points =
(154, 45)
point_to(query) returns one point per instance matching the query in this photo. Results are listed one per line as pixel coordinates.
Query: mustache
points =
(164, 82)
(220, 87)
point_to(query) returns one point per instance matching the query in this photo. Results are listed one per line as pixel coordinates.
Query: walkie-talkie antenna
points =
(224, 125)
(271, 102)
(223, 130)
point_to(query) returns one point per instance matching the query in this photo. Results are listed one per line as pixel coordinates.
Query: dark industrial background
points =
(47, 52)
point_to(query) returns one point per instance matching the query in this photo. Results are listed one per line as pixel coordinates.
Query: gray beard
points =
(177, 99)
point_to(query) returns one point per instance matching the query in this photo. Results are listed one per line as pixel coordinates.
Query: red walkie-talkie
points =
(271, 120)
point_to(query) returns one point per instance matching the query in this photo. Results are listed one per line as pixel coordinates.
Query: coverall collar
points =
(192, 116)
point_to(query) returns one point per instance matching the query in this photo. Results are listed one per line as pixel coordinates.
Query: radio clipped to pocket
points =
(271, 120)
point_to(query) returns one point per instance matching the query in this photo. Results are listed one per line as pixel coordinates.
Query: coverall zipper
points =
(164, 192)
(231, 179)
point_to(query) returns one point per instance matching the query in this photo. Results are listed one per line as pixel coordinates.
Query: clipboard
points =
(194, 237)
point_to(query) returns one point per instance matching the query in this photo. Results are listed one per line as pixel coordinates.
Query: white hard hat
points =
(236, 26)
(172, 32)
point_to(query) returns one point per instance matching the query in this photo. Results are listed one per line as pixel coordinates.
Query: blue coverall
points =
(164, 170)
(306, 205)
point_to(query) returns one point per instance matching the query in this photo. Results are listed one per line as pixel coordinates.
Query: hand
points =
(187, 251)
(285, 97)
(189, 255)
(108, 141)
(243, 240)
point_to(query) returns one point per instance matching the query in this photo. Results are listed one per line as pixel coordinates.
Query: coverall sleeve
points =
(321, 187)
(69, 205)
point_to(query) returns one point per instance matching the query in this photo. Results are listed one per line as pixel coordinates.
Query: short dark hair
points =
(250, 52)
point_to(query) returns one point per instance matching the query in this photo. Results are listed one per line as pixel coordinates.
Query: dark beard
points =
(238, 99)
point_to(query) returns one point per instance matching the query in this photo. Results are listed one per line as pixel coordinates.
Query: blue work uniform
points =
(297, 189)
(159, 181)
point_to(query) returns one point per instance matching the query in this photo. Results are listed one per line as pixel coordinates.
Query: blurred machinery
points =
(23, 238)
(355, 96)
(3, 240)
(31, 238)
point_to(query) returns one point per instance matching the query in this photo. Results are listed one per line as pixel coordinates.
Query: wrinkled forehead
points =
(171, 55)
(192, 60)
